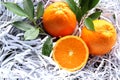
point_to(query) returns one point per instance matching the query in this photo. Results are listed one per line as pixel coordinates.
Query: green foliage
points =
(72, 5)
(80, 2)
(31, 31)
(47, 46)
(77, 10)
(89, 24)
(92, 3)
(78, 14)
(95, 15)
(82, 8)
(22, 25)
(29, 8)
(15, 8)
(40, 10)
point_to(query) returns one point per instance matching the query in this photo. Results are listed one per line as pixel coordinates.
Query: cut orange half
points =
(70, 53)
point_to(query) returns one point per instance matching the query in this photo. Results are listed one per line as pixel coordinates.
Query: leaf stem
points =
(34, 22)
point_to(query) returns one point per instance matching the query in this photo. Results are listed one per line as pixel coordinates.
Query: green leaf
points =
(79, 2)
(31, 34)
(89, 24)
(72, 5)
(29, 8)
(78, 14)
(95, 15)
(15, 8)
(84, 6)
(22, 25)
(40, 10)
(77, 10)
(47, 47)
(93, 3)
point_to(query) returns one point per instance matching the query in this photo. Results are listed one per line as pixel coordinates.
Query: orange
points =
(70, 53)
(59, 20)
(101, 40)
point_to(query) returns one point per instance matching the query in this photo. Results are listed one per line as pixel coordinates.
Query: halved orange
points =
(70, 53)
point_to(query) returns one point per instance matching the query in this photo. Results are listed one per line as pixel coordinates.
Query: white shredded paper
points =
(22, 60)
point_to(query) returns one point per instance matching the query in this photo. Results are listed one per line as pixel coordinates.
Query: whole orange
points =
(102, 39)
(59, 20)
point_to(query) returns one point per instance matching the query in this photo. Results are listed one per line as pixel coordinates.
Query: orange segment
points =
(70, 52)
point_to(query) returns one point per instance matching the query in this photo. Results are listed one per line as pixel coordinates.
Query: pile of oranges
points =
(72, 52)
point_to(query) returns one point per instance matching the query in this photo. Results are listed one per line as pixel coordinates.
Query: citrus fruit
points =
(101, 40)
(70, 53)
(59, 20)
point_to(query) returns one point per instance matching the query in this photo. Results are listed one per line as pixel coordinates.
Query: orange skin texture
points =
(59, 20)
(70, 53)
(101, 40)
